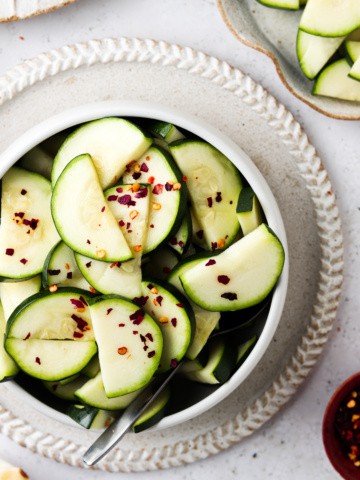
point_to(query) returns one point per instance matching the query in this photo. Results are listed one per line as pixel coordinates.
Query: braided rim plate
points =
(273, 32)
(114, 69)
(11, 10)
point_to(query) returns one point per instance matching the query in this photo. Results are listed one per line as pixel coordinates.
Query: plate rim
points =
(311, 169)
(273, 58)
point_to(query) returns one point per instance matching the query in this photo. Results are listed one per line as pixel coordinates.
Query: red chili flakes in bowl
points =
(347, 426)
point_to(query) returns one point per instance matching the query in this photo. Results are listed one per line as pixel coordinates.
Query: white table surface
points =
(289, 446)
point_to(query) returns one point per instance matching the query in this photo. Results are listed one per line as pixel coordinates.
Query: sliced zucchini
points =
(121, 278)
(154, 413)
(249, 211)
(166, 131)
(180, 241)
(352, 48)
(174, 317)
(92, 368)
(14, 293)
(66, 391)
(8, 368)
(27, 230)
(214, 185)
(355, 70)
(314, 52)
(283, 4)
(244, 350)
(50, 336)
(93, 393)
(168, 194)
(240, 276)
(205, 321)
(38, 161)
(91, 417)
(82, 217)
(334, 82)
(112, 142)
(60, 268)
(330, 19)
(220, 365)
(130, 344)
(158, 264)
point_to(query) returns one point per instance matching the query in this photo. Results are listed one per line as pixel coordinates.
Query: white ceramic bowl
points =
(89, 112)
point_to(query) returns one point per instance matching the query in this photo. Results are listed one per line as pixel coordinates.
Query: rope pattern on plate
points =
(311, 169)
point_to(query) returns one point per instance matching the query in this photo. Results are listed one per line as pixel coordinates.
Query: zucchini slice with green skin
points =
(66, 391)
(112, 142)
(355, 70)
(39, 161)
(159, 263)
(92, 393)
(166, 131)
(92, 368)
(282, 4)
(241, 276)
(50, 336)
(14, 293)
(180, 241)
(220, 365)
(168, 194)
(82, 217)
(91, 417)
(130, 344)
(244, 350)
(27, 231)
(60, 268)
(334, 81)
(314, 52)
(214, 185)
(154, 413)
(249, 211)
(352, 48)
(174, 316)
(205, 321)
(8, 368)
(330, 19)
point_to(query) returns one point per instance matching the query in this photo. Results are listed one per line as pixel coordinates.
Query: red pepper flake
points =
(27, 336)
(210, 262)
(152, 225)
(24, 261)
(10, 252)
(147, 158)
(128, 225)
(158, 189)
(121, 223)
(159, 299)
(168, 187)
(81, 324)
(174, 363)
(135, 332)
(33, 223)
(224, 279)
(144, 168)
(173, 241)
(82, 299)
(122, 350)
(151, 354)
(78, 303)
(229, 296)
(142, 193)
(115, 264)
(88, 242)
(209, 202)
(23, 191)
(121, 324)
(109, 310)
(218, 197)
(88, 264)
(69, 275)
(112, 198)
(78, 335)
(137, 317)
(126, 200)
(181, 244)
(54, 272)
(150, 286)
(214, 246)
(142, 338)
(103, 209)
(180, 305)
(107, 423)
(119, 189)
(38, 361)
(200, 234)
(140, 301)
(92, 289)
(184, 178)
(20, 214)
(136, 175)
(173, 322)
(149, 336)
(145, 347)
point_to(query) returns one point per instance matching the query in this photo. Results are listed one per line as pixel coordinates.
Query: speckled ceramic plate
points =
(18, 9)
(184, 79)
(273, 32)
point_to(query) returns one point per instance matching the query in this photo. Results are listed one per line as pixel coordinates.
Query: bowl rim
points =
(237, 156)
(331, 444)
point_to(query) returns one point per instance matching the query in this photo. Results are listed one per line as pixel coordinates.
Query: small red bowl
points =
(331, 442)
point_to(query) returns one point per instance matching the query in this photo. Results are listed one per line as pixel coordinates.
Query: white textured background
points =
(290, 445)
